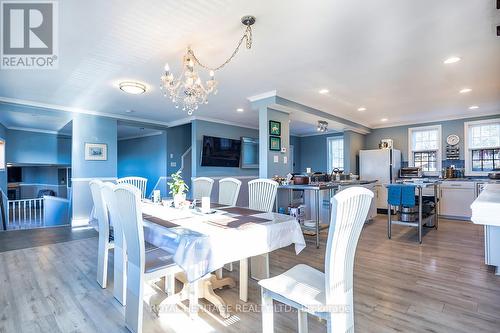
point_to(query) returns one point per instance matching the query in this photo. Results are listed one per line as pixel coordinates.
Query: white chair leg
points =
(244, 279)
(120, 275)
(135, 290)
(259, 267)
(267, 312)
(102, 264)
(302, 316)
(170, 284)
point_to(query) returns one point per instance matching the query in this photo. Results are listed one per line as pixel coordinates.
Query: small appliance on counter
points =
(300, 179)
(410, 172)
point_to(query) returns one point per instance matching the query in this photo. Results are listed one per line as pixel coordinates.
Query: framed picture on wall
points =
(274, 128)
(275, 143)
(96, 152)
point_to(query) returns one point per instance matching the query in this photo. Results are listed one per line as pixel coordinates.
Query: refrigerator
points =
(382, 165)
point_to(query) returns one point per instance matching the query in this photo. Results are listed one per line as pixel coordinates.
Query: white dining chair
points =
(262, 194)
(326, 295)
(105, 241)
(139, 182)
(142, 266)
(202, 187)
(120, 249)
(229, 190)
(261, 197)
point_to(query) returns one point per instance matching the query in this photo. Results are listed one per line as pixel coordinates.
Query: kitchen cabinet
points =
(456, 198)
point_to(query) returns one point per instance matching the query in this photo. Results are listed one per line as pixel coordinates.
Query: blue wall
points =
(295, 142)
(178, 141)
(38, 148)
(143, 157)
(200, 128)
(40, 175)
(313, 152)
(400, 136)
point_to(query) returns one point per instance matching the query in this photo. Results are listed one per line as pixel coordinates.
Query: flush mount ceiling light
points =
(324, 91)
(361, 109)
(465, 90)
(322, 126)
(132, 87)
(239, 110)
(383, 119)
(188, 90)
(451, 60)
(473, 107)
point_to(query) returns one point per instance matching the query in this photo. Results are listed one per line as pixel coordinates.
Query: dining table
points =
(202, 242)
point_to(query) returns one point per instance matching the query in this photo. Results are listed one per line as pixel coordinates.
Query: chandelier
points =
(188, 90)
(322, 126)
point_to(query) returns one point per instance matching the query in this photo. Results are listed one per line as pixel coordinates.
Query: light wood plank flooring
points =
(400, 286)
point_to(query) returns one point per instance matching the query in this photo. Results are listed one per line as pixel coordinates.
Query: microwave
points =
(410, 172)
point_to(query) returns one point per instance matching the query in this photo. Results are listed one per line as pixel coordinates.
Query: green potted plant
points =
(178, 189)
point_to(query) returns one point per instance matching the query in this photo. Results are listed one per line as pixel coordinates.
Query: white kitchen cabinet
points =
(456, 198)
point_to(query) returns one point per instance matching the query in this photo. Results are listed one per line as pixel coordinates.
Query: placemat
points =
(236, 222)
(159, 221)
(241, 211)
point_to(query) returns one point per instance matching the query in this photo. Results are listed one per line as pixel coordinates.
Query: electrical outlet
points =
(276, 159)
(173, 164)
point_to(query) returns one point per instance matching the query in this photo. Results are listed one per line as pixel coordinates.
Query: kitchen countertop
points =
(465, 179)
(327, 185)
(486, 208)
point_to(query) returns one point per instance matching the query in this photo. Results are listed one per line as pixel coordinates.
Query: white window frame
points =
(329, 158)
(439, 157)
(468, 149)
(3, 164)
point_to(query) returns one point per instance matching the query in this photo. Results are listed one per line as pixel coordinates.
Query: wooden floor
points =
(400, 286)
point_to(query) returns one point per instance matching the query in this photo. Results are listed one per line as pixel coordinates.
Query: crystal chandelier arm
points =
(247, 36)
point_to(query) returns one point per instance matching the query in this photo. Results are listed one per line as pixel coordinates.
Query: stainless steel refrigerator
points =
(382, 165)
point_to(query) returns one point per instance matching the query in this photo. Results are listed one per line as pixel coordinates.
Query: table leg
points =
(389, 221)
(244, 280)
(420, 215)
(317, 218)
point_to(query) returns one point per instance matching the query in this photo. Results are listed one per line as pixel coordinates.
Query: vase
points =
(179, 198)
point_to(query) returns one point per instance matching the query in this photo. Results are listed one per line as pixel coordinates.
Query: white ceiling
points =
(385, 55)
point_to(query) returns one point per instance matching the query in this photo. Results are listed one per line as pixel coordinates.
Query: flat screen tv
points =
(220, 152)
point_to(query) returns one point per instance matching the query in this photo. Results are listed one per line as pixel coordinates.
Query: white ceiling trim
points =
(438, 119)
(322, 133)
(77, 110)
(264, 95)
(225, 122)
(140, 136)
(27, 129)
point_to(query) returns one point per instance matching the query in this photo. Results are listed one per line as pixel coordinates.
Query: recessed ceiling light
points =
(240, 110)
(473, 107)
(384, 119)
(129, 111)
(362, 108)
(324, 91)
(131, 87)
(465, 90)
(451, 60)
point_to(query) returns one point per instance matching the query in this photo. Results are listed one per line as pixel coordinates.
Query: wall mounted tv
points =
(220, 152)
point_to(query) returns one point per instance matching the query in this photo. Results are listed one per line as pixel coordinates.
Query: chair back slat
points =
(113, 213)
(100, 208)
(128, 198)
(229, 190)
(202, 187)
(262, 194)
(139, 182)
(349, 210)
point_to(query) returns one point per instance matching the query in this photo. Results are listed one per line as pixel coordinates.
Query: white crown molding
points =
(224, 122)
(317, 134)
(180, 122)
(27, 129)
(78, 110)
(264, 95)
(141, 136)
(438, 119)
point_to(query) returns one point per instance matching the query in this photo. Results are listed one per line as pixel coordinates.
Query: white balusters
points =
(25, 213)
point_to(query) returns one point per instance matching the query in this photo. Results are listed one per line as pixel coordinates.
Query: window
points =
(2, 154)
(335, 153)
(424, 149)
(482, 146)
